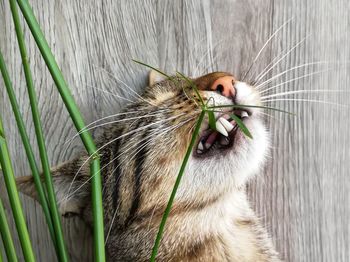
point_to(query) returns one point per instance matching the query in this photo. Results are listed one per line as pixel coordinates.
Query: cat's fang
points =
(220, 128)
(200, 146)
(244, 114)
(199, 151)
(228, 126)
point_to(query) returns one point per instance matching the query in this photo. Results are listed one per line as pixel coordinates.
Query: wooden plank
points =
(302, 197)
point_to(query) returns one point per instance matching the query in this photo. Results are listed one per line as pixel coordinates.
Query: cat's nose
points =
(225, 85)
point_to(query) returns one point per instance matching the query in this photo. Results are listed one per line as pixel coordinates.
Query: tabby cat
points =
(141, 153)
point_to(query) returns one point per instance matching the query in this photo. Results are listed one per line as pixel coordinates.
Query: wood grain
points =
(303, 195)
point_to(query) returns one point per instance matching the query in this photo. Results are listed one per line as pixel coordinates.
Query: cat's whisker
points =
(117, 121)
(305, 100)
(279, 60)
(124, 113)
(263, 48)
(153, 134)
(158, 134)
(150, 220)
(68, 142)
(268, 66)
(205, 70)
(294, 79)
(263, 98)
(88, 127)
(201, 60)
(110, 93)
(193, 50)
(112, 78)
(127, 86)
(268, 115)
(289, 70)
(117, 138)
(137, 151)
(101, 169)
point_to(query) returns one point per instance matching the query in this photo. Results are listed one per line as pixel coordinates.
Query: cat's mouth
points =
(210, 141)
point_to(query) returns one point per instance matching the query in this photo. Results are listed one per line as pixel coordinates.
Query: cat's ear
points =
(72, 197)
(155, 77)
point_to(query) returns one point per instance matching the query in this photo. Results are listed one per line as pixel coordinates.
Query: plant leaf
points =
(242, 126)
(212, 121)
(243, 106)
(149, 66)
(2, 141)
(193, 85)
(176, 185)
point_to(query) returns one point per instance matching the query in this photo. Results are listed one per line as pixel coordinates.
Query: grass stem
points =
(54, 223)
(176, 185)
(6, 236)
(11, 187)
(78, 122)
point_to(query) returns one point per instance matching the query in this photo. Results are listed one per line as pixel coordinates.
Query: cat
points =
(141, 153)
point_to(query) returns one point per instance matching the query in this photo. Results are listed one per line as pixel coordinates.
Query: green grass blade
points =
(6, 236)
(242, 126)
(176, 185)
(79, 124)
(244, 106)
(16, 206)
(173, 79)
(151, 67)
(212, 120)
(58, 236)
(193, 85)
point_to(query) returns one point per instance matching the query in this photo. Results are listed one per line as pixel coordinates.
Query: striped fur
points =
(211, 219)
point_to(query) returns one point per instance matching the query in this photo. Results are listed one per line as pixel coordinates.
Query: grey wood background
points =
(303, 195)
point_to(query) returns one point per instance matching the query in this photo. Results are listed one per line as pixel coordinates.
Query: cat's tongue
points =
(211, 139)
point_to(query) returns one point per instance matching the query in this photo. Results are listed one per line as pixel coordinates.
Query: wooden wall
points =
(303, 195)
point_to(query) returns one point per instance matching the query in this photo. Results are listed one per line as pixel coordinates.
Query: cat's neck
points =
(225, 230)
(222, 230)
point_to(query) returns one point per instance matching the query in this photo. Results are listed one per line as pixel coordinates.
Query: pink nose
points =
(225, 86)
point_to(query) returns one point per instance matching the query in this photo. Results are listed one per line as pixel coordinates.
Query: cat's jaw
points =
(230, 168)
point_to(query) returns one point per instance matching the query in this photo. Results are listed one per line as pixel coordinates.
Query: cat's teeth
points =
(224, 141)
(244, 114)
(228, 126)
(199, 151)
(220, 128)
(200, 146)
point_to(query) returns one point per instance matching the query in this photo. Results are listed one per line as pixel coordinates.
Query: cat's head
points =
(142, 152)
(221, 160)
